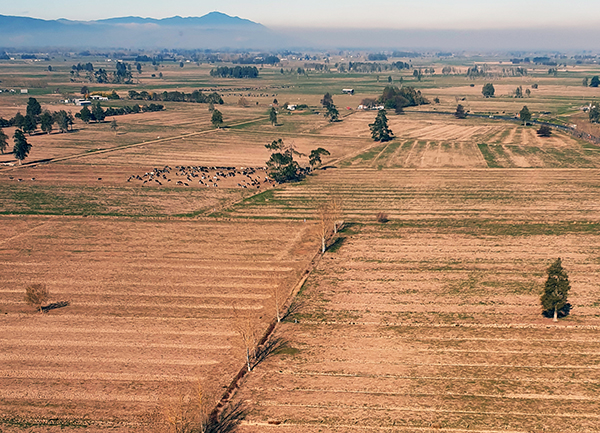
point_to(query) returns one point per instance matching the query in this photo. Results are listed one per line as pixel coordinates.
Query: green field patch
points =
(488, 155)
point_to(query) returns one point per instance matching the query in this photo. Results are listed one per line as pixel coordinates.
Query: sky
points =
(383, 14)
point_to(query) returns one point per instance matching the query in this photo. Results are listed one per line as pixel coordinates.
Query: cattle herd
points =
(204, 176)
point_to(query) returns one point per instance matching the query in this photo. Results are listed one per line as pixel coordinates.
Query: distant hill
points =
(214, 30)
(213, 19)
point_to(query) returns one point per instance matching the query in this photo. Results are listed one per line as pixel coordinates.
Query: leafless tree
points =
(336, 212)
(277, 297)
(325, 219)
(245, 325)
(188, 412)
(36, 295)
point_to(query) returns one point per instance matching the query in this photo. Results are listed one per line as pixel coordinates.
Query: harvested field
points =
(502, 198)
(151, 310)
(427, 329)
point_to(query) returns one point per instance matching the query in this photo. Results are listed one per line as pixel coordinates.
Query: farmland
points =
(431, 321)
(163, 232)
(149, 313)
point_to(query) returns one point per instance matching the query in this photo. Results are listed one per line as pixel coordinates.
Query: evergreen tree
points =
(525, 115)
(33, 107)
(595, 82)
(488, 90)
(379, 129)
(273, 116)
(29, 124)
(18, 120)
(98, 113)
(519, 92)
(460, 112)
(62, 120)
(281, 165)
(594, 113)
(85, 114)
(21, 147)
(3, 141)
(46, 122)
(332, 113)
(314, 159)
(217, 119)
(327, 100)
(556, 289)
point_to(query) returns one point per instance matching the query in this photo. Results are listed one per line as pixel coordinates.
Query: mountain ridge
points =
(213, 30)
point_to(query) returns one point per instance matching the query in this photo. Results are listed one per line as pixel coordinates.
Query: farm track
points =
(124, 147)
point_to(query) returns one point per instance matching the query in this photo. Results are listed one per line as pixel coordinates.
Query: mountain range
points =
(217, 30)
(212, 31)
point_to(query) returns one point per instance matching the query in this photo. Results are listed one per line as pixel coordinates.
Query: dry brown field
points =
(151, 311)
(432, 322)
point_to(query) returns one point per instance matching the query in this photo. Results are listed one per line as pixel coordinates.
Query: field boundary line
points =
(430, 410)
(480, 365)
(25, 233)
(454, 325)
(440, 394)
(377, 428)
(237, 380)
(123, 147)
(398, 376)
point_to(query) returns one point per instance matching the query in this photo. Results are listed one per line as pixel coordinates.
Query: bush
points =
(544, 131)
(382, 217)
(36, 295)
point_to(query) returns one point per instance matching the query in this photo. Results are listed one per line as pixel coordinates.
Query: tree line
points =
(395, 98)
(34, 117)
(195, 96)
(122, 74)
(235, 72)
(98, 114)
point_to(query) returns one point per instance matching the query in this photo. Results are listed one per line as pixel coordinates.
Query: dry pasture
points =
(151, 311)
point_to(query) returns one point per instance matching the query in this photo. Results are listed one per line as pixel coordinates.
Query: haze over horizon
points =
(380, 14)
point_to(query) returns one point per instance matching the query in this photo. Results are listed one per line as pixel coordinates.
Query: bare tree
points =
(188, 412)
(277, 297)
(325, 219)
(336, 212)
(36, 295)
(245, 326)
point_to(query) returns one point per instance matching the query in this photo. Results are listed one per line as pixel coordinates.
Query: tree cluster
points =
(477, 71)
(376, 67)
(34, 117)
(98, 114)
(120, 111)
(257, 60)
(121, 75)
(235, 72)
(196, 96)
(395, 98)
(283, 167)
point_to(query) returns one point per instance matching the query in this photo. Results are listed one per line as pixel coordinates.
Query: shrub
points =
(382, 217)
(544, 131)
(36, 295)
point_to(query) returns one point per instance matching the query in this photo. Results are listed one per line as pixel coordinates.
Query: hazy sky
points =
(394, 14)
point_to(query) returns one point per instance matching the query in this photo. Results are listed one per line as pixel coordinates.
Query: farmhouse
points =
(82, 102)
(348, 91)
